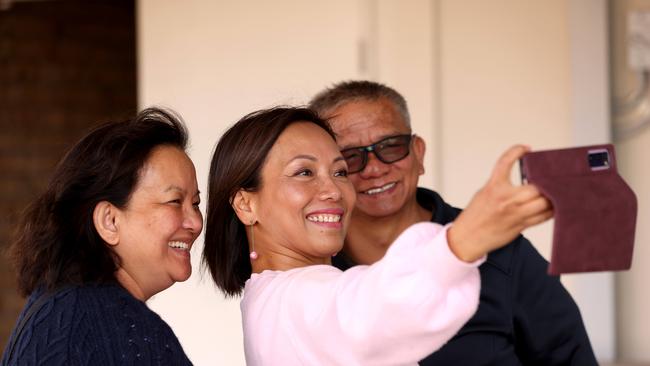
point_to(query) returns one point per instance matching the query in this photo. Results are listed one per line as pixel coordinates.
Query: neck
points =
(277, 258)
(129, 283)
(369, 237)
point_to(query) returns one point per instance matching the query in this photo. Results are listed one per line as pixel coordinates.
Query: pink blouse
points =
(394, 312)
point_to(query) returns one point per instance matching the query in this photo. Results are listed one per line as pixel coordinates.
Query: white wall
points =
(406, 58)
(633, 154)
(590, 120)
(478, 75)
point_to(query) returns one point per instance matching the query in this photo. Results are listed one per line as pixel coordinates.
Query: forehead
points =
(363, 122)
(303, 138)
(167, 165)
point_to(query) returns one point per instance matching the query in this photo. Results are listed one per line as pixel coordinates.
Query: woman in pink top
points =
(279, 203)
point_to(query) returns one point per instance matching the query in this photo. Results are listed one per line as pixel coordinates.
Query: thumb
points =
(503, 167)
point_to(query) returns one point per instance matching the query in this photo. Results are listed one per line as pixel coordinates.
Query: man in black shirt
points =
(524, 316)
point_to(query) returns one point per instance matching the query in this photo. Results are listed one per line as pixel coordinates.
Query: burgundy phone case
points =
(595, 210)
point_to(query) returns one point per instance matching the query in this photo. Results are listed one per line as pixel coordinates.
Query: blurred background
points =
(478, 75)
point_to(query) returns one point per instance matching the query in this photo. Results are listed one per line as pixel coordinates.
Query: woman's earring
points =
(253, 254)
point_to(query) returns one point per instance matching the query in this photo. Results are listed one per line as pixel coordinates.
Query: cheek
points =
(287, 199)
(292, 197)
(408, 166)
(166, 223)
(355, 180)
(349, 194)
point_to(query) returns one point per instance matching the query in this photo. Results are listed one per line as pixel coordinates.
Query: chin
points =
(182, 277)
(377, 211)
(380, 208)
(328, 249)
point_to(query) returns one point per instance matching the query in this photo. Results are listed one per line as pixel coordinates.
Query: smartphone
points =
(595, 209)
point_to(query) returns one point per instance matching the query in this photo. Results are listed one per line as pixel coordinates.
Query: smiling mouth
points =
(324, 218)
(179, 245)
(381, 189)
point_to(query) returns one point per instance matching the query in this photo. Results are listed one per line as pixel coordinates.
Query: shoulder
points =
(134, 332)
(106, 297)
(48, 328)
(504, 259)
(271, 291)
(295, 278)
(115, 305)
(110, 303)
(51, 309)
(287, 297)
(95, 324)
(111, 311)
(100, 293)
(519, 255)
(443, 213)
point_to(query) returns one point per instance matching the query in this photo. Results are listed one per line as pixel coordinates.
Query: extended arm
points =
(397, 310)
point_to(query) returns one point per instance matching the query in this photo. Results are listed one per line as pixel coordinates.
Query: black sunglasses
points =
(388, 150)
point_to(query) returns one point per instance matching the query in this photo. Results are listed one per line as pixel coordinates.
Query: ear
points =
(419, 148)
(105, 221)
(243, 204)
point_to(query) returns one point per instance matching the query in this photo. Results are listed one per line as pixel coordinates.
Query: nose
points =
(374, 168)
(193, 220)
(329, 190)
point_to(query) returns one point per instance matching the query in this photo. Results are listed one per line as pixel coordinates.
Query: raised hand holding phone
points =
(498, 212)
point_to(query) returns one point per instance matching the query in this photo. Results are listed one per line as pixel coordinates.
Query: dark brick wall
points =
(64, 67)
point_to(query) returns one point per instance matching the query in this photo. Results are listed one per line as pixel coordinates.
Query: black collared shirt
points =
(525, 317)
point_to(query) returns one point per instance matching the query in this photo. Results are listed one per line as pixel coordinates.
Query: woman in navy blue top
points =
(113, 228)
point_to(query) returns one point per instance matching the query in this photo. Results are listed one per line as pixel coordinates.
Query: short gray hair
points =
(353, 90)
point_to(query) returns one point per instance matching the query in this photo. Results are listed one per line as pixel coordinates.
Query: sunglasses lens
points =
(354, 158)
(393, 149)
(388, 151)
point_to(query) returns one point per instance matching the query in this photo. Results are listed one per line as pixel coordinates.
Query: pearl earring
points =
(253, 254)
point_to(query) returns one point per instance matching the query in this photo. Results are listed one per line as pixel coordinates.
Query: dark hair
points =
(349, 91)
(56, 242)
(236, 164)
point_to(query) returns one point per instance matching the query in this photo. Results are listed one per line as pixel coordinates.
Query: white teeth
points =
(179, 245)
(380, 189)
(324, 218)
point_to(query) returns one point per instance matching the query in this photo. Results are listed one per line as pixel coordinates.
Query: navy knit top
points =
(95, 325)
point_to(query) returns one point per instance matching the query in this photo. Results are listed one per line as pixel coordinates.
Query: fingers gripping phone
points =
(595, 209)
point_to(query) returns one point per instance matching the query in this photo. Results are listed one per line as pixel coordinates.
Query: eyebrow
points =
(179, 189)
(174, 188)
(308, 157)
(312, 158)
